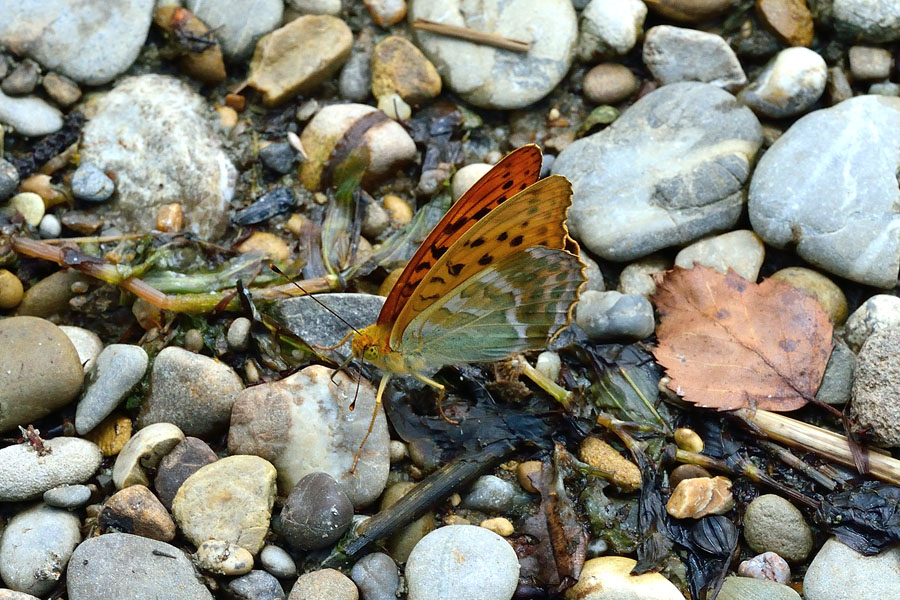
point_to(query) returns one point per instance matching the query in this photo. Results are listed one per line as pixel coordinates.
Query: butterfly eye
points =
(370, 352)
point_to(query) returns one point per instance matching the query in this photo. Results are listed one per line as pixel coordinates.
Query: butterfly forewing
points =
(515, 172)
(514, 305)
(533, 217)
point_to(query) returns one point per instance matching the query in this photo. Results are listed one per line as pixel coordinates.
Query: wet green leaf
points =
(602, 115)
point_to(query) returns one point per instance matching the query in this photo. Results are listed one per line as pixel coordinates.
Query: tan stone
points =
(523, 471)
(136, 510)
(324, 583)
(11, 290)
(145, 449)
(789, 20)
(700, 496)
(499, 525)
(601, 455)
(827, 292)
(398, 66)
(401, 543)
(223, 558)
(268, 243)
(609, 83)
(207, 65)
(610, 577)
(687, 439)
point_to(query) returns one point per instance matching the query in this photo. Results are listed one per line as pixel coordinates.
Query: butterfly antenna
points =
(313, 298)
(356, 394)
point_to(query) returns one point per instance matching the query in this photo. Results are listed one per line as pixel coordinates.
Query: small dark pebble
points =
(316, 513)
(9, 179)
(22, 80)
(278, 201)
(278, 156)
(376, 576)
(91, 184)
(184, 460)
(51, 145)
(255, 585)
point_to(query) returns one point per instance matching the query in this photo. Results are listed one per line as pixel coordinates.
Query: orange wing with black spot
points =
(515, 172)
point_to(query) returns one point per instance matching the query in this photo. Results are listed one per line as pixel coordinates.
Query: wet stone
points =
(119, 368)
(376, 577)
(136, 510)
(255, 585)
(68, 496)
(26, 474)
(490, 494)
(316, 513)
(91, 184)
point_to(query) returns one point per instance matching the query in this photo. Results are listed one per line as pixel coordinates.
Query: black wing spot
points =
(455, 269)
(516, 241)
(438, 251)
(483, 212)
(502, 237)
(523, 186)
(431, 298)
(423, 266)
(455, 225)
(438, 280)
(485, 260)
(476, 242)
(507, 184)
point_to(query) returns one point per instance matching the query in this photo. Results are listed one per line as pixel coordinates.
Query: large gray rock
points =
(114, 566)
(237, 35)
(490, 77)
(867, 20)
(839, 204)
(670, 170)
(90, 41)
(151, 131)
(35, 547)
(118, 369)
(838, 572)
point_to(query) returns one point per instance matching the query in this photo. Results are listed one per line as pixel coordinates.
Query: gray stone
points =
(609, 28)
(236, 33)
(255, 585)
(867, 62)
(22, 80)
(637, 278)
(91, 184)
(489, 77)
(6, 594)
(676, 54)
(772, 524)
(740, 251)
(483, 565)
(885, 88)
(9, 179)
(90, 41)
(68, 496)
(355, 80)
(490, 494)
(316, 513)
(184, 460)
(837, 381)
(238, 335)
(838, 88)
(277, 561)
(42, 375)
(838, 572)
(376, 577)
(29, 116)
(747, 588)
(611, 315)
(35, 547)
(669, 170)
(324, 584)
(118, 369)
(119, 565)
(129, 126)
(190, 390)
(281, 421)
(881, 311)
(840, 206)
(279, 157)
(876, 387)
(789, 85)
(867, 20)
(50, 226)
(25, 474)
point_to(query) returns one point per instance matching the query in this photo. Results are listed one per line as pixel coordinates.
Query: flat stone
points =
(867, 20)
(837, 382)
(611, 315)
(837, 207)
(669, 170)
(773, 524)
(236, 33)
(676, 54)
(35, 547)
(746, 588)
(229, 500)
(306, 318)
(838, 572)
(868, 63)
(118, 565)
(68, 496)
(740, 251)
(255, 585)
(119, 368)
(25, 474)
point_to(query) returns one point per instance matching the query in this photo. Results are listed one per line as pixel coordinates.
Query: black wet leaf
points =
(277, 202)
(866, 518)
(50, 145)
(716, 535)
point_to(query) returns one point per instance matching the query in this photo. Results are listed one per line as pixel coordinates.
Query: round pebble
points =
(29, 116)
(490, 494)
(9, 179)
(499, 525)
(768, 566)
(609, 83)
(611, 315)
(772, 524)
(376, 577)
(789, 85)
(255, 585)
(686, 471)
(50, 227)
(223, 558)
(238, 336)
(11, 290)
(462, 562)
(91, 184)
(118, 369)
(879, 312)
(698, 497)
(278, 156)
(741, 251)
(828, 293)
(324, 584)
(61, 89)
(549, 364)
(867, 62)
(30, 206)
(316, 513)
(277, 561)
(68, 496)
(687, 439)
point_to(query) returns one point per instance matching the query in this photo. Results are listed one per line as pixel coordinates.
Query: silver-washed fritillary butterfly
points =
(498, 275)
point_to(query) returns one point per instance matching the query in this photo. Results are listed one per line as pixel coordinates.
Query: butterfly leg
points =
(381, 387)
(442, 390)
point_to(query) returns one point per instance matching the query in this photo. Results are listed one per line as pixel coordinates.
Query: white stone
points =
(466, 177)
(610, 28)
(791, 83)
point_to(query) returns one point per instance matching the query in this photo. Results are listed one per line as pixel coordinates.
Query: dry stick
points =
(788, 458)
(820, 441)
(472, 35)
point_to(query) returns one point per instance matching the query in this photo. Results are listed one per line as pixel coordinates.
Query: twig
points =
(472, 35)
(788, 458)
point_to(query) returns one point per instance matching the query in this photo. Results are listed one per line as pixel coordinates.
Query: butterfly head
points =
(371, 345)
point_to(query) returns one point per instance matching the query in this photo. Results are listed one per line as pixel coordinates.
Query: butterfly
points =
(498, 275)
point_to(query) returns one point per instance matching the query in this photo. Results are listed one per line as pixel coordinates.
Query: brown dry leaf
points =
(728, 343)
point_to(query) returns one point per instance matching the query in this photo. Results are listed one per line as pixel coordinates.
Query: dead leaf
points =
(727, 343)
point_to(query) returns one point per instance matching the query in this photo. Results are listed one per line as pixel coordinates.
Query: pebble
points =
(68, 496)
(390, 146)
(50, 296)
(229, 500)
(267, 244)
(309, 409)
(609, 83)
(354, 82)
(119, 565)
(111, 434)
(609, 28)
(867, 63)
(484, 565)
(9, 179)
(398, 67)
(22, 80)
(828, 293)
(885, 88)
(772, 524)
(279, 157)
(610, 578)
(30, 206)
(236, 33)
(867, 20)
(190, 390)
(118, 369)
(686, 471)
(875, 387)
(637, 277)
(185, 459)
(66, 38)
(789, 85)
(601, 455)
(398, 451)
(838, 379)
(698, 497)
(674, 54)
(238, 335)
(745, 588)
(50, 227)
(766, 566)
(61, 89)
(91, 184)
(298, 57)
(26, 394)
(499, 525)
(789, 20)
(255, 585)
(316, 7)
(308, 320)
(741, 251)
(397, 109)
(490, 494)
(612, 315)
(524, 472)
(324, 584)
(128, 125)
(489, 77)
(316, 513)
(838, 88)
(223, 558)
(277, 561)
(466, 177)
(29, 116)
(402, 542)
(687, 439)
(376, 577)
(689, 11)
(144, 450)
(707, 142)
(848, 192)
(136, 510)
(11, 290)
(35, 547)
(6, 594)
(386, 12)
(837, 572)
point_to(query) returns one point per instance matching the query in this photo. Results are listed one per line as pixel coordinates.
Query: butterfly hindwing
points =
(514, 305)
(515, 172)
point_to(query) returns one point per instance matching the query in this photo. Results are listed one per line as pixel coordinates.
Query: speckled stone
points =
(772, 524)
(184, 460)
(136, 510)
(25, 474)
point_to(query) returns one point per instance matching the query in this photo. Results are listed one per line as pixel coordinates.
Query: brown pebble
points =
(268, 243)
(682, 472)
(11, 290)
(689, 11)
(170, 218)
(61, 89)
(398, 66)
(687, 439)
(206, 65)
(523, 471)
(499, 525)
(700, 496)
(401, 213)
(789, 20)
(111, 434)
(609, 83)
(137, 511)
(236, 101)
(601, 455)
